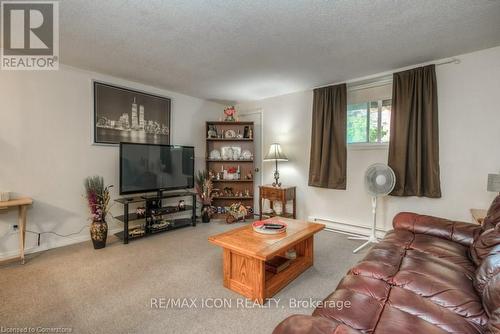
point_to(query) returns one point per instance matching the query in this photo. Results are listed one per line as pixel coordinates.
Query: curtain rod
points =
(451, 61)
(386, 77)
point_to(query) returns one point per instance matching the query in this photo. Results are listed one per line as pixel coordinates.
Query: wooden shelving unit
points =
(246, 166)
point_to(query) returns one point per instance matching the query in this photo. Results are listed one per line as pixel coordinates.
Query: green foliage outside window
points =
(368, 122)
(356, 123)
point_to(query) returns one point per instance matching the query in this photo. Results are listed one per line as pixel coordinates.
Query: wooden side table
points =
(22, 206)
(282, 194)
(478, 215)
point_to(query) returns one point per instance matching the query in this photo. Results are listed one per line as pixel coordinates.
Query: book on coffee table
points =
(277, 264)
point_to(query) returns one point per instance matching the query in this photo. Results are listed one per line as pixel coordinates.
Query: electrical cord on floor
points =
(55, 233)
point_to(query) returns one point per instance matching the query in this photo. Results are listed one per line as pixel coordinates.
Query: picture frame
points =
(126, 115)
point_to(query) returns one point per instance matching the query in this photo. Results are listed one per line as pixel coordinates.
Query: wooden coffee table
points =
(245, 252)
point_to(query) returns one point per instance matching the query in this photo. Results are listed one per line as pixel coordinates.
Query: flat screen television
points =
(151, 167)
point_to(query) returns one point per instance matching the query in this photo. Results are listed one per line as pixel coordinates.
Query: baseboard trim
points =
(60, 242)
(347, 228)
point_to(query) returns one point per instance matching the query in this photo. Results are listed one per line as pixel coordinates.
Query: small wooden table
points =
(478, 215)
(245, 253)
(282, 194)
(22, 205)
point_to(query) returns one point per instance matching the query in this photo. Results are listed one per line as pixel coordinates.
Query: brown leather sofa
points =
(429, 275)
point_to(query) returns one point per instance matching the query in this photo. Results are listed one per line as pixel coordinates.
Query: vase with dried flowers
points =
(204, 187)
(97, 195)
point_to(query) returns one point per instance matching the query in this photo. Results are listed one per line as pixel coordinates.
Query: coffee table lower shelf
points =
(247, 275)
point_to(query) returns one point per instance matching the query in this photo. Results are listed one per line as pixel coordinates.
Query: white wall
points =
(46, 150)
(469, 119)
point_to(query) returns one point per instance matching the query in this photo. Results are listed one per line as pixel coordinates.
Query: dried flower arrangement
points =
(98, 197)
(204, 188)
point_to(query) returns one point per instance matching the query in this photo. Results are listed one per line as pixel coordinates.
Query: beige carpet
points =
(110, 290)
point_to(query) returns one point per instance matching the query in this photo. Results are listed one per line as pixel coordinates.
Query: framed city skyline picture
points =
(126, 115)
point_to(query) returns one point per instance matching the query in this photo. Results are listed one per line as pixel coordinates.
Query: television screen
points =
(146, 167)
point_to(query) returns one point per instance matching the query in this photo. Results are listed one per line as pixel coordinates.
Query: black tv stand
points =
(159, 194)
(154, 220)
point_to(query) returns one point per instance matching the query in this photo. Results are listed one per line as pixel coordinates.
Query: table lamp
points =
(276, 154)
(494, 183)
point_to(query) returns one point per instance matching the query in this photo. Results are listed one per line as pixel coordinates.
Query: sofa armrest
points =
(308, 324)
(460, 232)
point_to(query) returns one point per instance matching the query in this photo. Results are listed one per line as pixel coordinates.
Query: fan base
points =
(369, 240)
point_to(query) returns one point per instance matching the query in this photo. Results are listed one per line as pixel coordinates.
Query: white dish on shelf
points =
(246, 155)
(230, 134)
(227, 153)
(215, 155)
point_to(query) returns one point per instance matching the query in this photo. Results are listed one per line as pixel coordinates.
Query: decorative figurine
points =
(212, 131)
(230, 113)
(182, 205)
(140, 212)
(236, 212)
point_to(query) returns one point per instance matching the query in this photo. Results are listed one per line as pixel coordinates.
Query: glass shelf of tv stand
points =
(133, 216)
(138, 199)
(174, 224)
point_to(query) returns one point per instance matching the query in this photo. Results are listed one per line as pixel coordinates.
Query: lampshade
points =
(275, 153)
(494, 182)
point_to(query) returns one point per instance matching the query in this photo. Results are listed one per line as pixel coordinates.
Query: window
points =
(369, 122)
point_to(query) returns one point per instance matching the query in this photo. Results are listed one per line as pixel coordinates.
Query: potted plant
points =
(97, 196)
(204, 187)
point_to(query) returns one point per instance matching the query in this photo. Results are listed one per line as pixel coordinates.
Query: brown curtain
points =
(327, 167)
(414, 143)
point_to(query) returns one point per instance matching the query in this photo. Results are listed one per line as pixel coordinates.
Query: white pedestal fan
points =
(379, 181)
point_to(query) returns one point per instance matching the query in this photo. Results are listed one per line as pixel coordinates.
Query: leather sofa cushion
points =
(487, 283)
(493, 216)
(366, 295)
(443, 249)
(458, 263)
(382, 262)
(447, 288)
(484, 244)
(395, 321)
(306, 324)
(488, 268)
(424, 309)
(384, 259)
(459, 232)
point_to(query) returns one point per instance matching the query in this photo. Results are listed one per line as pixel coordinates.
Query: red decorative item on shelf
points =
(230, 112)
